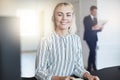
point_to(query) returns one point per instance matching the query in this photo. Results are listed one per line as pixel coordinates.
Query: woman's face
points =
(63, 17)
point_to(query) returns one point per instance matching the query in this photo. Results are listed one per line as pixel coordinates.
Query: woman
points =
(60, 55)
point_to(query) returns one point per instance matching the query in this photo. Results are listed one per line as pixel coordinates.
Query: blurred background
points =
(36, 21)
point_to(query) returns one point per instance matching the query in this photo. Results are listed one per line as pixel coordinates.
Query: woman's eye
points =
(59, 14)
(69, 15)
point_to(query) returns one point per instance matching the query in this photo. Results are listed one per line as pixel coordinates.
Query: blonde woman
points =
(60, 55)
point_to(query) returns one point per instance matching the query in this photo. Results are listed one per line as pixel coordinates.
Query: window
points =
(28, 22)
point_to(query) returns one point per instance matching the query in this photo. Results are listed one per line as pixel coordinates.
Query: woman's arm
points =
(79, 69)
(42, 59)
(79, 66)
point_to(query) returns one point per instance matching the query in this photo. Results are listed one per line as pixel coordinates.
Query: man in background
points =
(90, 36)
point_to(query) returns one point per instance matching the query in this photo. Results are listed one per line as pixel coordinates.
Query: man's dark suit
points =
(90, 36)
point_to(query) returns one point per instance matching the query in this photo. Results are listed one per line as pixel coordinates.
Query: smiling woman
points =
(59, 56)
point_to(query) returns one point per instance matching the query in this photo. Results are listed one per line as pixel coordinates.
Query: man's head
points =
(93, 10)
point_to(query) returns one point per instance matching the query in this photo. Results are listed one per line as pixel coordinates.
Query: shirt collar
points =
(62, 36)
(92, 17)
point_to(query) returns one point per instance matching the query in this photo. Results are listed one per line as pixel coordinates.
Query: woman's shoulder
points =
(75, 36)
(47, 38)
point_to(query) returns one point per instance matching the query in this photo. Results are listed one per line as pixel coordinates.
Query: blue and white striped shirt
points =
(59, 56)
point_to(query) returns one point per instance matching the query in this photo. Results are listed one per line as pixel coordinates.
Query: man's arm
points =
(90, 27)
(87, 24)
(97, 27)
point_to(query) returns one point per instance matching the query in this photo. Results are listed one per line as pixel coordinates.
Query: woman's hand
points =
(69, 78)
(90, 77)
(62, 78)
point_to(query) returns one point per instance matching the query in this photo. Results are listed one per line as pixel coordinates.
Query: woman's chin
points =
(64, 27)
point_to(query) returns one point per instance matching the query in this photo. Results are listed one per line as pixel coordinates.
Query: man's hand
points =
(97, 27)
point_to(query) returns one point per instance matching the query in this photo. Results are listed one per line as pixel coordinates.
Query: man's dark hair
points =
(92, 8)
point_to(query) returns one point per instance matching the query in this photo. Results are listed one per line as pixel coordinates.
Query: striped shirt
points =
(59, 56)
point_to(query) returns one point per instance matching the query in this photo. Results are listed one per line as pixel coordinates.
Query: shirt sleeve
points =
(79, 66)
(87, 24)
(42, 59)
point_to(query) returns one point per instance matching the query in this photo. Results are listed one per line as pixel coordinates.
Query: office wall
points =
(108, 53)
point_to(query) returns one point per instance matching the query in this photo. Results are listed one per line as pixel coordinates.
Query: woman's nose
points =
(64, 17)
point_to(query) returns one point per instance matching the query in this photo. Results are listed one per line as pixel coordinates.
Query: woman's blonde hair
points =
(72, 28)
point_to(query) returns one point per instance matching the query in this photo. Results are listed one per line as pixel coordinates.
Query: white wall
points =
(109, 39)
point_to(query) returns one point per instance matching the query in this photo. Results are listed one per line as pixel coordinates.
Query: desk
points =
(32, 78)
(111, 73)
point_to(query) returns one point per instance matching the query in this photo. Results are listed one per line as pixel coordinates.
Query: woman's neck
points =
(61, 32)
